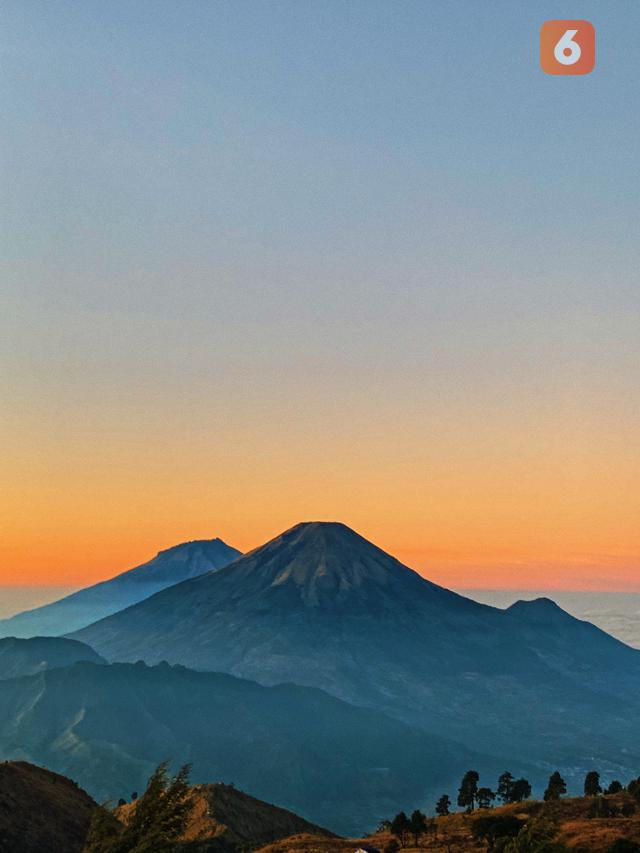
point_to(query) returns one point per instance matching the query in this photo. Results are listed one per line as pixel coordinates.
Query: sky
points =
(266, 262)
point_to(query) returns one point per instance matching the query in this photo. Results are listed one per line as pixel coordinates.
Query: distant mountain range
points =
(27, 657)
(81, 608)
(321, 606)
(336, 764)
(370, 688)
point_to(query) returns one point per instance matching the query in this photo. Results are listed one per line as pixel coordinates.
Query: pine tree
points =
(556, 787)
(156, 823)
(592, 785)
(521, 790)
(400, 826)
(485, 797)
(505, 787)
(443, 806)
(418, 825)
(468, 790)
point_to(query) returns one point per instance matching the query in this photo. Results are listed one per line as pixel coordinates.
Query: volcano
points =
(81, 608)
(321, 606)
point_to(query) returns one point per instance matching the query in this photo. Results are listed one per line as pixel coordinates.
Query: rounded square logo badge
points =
(567, 47)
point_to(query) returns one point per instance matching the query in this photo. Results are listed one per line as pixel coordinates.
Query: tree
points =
(468, 790)
(520, 790)
(443, 806)
(418, 825)
(592, 785)
(505, 787)
(628, 809)
(400, 826)
(556, 788)
(104, 832)
(485, 797)
(391, 846)
(155, 824)
(615, 787)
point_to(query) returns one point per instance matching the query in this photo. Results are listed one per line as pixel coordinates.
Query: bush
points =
(491, 827)
(538, 836)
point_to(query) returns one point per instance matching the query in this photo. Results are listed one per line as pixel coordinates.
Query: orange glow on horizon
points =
(511, 495)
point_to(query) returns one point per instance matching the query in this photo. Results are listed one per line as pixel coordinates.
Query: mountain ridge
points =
(75, 611)
(20, 657)
(321, 606)
(332, 763)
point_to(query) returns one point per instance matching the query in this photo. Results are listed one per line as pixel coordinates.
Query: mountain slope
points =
(223, 818)
(81, 608)
(40, 811)
(26, 657)
(336, 764)
(321, 606)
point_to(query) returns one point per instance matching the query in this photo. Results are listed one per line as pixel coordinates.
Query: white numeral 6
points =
(566, 43)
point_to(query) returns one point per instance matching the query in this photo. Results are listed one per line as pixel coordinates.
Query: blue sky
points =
(374, 206)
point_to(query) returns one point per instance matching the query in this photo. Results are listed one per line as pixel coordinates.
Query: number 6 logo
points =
(567, 47)
(567, 51)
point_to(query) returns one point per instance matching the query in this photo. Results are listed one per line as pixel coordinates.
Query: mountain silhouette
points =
(333, 763)
(187, 560)
(26, 657)
(321, 606)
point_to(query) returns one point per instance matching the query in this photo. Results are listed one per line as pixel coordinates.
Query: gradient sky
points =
(266, 262)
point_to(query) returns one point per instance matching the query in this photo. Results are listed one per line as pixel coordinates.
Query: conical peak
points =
(323, 562)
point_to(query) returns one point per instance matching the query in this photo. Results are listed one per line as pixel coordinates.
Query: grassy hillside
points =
(570, 818)
(225, 818)
(570, 821)
(40, 811)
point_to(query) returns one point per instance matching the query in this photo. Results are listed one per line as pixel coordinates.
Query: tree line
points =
(472, 796)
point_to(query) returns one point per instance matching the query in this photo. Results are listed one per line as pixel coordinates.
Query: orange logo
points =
(567, 47)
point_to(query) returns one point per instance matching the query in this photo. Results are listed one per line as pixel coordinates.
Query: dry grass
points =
(454, 833)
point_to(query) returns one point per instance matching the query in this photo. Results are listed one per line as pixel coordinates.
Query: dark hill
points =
(81, 608)
(26, 657)
(319, 605)
(40, 811)
(223, 818)
(336, 764)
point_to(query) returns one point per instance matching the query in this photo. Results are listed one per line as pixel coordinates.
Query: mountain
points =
(223, 818)
(26, 657)
(40, 811)
(336, 764)
(81, 608)
(321, 606)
